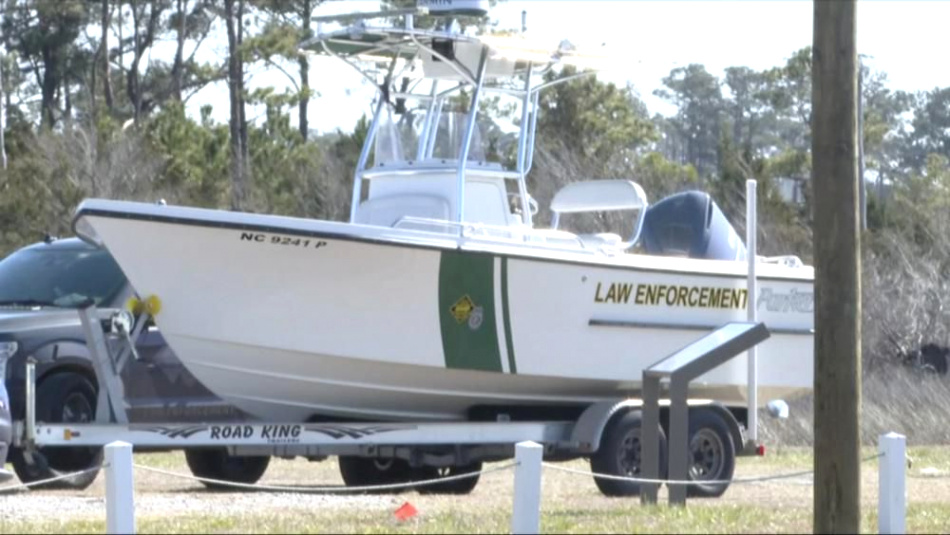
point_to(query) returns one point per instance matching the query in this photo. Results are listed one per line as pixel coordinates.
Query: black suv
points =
(41, 288)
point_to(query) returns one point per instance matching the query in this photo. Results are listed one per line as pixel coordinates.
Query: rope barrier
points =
(678, 482)
(365, 488)
(446, 479)
(942, 475)
(739, 480)
(22, 486)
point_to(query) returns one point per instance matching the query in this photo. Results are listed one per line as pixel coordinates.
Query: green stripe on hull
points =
(467, 311)
(507, 315)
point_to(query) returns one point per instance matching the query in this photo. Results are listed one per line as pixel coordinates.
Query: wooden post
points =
(837, 269)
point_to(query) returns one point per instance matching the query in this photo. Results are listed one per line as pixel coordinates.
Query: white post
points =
(120, 505)
(751, 292)
(526, 514)
(892, 500)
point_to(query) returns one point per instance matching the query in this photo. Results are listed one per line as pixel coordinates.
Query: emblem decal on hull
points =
(476, 318)
(462, 309)
(468, 311)
(793, 301)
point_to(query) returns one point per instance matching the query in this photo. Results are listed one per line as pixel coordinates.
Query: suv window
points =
(60, 277)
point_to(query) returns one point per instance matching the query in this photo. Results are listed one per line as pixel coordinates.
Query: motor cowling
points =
(690, 224)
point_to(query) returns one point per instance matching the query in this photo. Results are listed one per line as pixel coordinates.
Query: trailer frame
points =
(111, 336)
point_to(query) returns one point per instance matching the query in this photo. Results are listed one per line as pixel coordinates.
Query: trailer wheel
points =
(712, 454)
(456, 486)
(66, 397)
(216, 463)
(366, 472)
(620, 455)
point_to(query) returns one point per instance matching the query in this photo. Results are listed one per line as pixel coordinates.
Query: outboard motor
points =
(690, 224)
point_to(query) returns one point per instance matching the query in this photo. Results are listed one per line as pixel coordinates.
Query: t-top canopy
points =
(451, 55)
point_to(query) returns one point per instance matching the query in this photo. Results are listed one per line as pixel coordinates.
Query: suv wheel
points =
(65, 397)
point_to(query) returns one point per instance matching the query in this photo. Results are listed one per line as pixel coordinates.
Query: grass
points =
(703, 518)
(570, 504)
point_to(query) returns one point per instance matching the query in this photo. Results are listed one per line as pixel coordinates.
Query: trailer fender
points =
(585, 437)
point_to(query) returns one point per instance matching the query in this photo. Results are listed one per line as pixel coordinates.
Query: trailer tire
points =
(366, 472)
(65, 397)
(456, 486)
(216, 463)
(620, 455)
(712, 453)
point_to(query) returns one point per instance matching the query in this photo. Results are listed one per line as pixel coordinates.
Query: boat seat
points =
(598, 240)
(390, 210)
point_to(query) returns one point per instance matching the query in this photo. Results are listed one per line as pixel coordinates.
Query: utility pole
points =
(837, 269)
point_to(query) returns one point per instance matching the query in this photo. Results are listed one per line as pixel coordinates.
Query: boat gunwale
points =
(481, 246)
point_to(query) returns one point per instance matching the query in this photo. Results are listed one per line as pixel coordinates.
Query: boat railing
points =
(436, 166)
(515, 235)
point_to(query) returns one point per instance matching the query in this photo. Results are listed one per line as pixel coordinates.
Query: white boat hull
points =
(413, 325)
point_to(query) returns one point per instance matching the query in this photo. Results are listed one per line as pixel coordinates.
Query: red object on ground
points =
(406, 512)
(760, 451)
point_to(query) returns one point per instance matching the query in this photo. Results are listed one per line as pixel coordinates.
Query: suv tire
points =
(65, 397)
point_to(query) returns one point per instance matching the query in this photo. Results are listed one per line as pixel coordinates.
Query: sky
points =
(907, 39)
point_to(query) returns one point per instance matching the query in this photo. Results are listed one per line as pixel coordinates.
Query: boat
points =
(442, 298)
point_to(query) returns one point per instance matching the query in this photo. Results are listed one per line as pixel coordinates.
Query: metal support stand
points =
(752, 413)
(679, 369)
(110, 406)
(30, 435)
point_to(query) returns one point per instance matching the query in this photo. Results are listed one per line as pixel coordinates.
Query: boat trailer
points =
(111, 336)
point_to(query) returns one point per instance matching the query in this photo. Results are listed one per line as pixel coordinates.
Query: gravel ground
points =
(159, 494)
(39, 505)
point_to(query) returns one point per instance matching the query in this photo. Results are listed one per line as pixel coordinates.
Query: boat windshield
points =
(412, 136)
